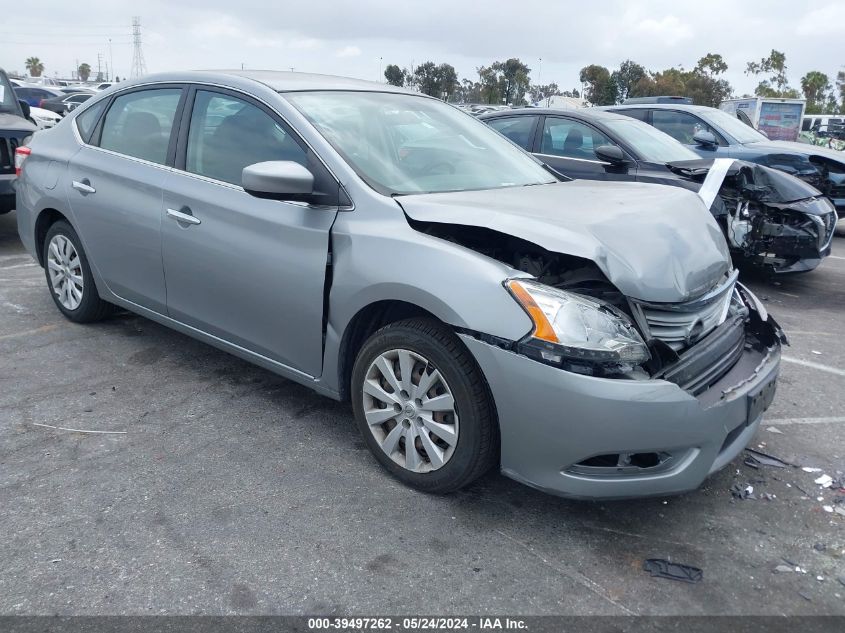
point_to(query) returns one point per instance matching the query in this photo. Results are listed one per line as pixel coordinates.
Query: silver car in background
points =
(382, 247)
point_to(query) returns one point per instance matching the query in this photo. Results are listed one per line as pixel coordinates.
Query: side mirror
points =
(25, 108)
(705, 139)
(279, 180)
(610, 154)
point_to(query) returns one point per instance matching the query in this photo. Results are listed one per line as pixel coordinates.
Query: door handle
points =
(187, 218)
(83, 187)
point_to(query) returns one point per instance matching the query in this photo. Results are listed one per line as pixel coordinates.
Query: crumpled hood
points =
(798, 148)
(654, 243)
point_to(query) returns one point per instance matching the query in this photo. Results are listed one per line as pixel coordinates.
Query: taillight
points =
(20, 156)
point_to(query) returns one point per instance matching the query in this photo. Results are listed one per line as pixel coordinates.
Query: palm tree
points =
(34, 66)
(84, 71)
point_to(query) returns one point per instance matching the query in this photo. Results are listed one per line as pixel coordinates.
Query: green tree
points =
(626, 77)
(816, 86)
(777, 85)
(394, 75)
(600, 88)
(840, 87)
(34, 66)
(490, 86)
(542, 92)
(435, 80)
(711, 64)
(84, 71)
(514, 79)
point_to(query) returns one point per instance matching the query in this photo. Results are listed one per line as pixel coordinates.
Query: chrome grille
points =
(680, 325)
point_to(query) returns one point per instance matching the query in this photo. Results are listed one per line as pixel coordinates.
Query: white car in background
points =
(43, 119)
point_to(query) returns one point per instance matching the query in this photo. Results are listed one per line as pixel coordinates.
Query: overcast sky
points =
(357, 38)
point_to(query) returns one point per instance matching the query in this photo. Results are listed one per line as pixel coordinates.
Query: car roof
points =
(280, 81)
(585, 114)
(658, 106)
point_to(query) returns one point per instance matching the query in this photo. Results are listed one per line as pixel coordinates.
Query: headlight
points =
(576, 329)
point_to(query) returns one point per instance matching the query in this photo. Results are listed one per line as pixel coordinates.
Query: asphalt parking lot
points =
(216, 487)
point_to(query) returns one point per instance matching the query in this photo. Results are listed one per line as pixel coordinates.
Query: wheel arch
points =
(366, 321)
(47, 217)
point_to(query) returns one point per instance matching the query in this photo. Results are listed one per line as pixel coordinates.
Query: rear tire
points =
(441, 407)
(69, 277)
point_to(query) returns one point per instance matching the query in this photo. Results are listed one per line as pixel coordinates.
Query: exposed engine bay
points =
(692, 344)
(771, 220)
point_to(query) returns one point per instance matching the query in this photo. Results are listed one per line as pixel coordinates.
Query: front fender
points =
(375, 261)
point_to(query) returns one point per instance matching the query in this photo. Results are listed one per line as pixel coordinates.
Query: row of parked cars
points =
(777, 202)
(49, 103)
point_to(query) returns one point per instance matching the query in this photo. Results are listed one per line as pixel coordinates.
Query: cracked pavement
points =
(216, 487)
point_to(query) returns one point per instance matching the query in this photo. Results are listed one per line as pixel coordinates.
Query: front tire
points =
(69, 276)
(423, 407)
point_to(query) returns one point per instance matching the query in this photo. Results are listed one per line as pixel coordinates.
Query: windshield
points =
(649, 143)
(8, 100)
(732, 126)
(403, 144)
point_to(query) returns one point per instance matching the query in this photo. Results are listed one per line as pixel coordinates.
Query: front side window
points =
(634, 113)
(8, 98)
(519, 129)
(457, 152)
(138, 124)
(571, 139)
(228, 134)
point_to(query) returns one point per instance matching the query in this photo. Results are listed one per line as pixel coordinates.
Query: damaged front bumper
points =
(587, 437)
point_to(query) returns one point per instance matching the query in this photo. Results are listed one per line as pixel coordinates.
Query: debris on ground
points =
(783, 569)
(765, 459)
(660, 568)
(774, 429)
(742, 492)
(824, 481)
(820, 547)
(805, 596)
(809, 469)
(816, 352)
(827, 508)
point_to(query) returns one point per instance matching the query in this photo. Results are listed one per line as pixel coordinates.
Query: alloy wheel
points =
(65, 270)
(410, 410)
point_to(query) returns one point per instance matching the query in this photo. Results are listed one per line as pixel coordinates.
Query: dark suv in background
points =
(14, 129)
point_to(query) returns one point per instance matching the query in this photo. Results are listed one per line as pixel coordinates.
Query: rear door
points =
(114, 186)
(567, 145)
(250, 271)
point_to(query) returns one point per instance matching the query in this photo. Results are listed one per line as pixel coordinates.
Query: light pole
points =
(111, 61)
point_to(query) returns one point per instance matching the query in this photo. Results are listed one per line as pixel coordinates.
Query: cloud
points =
(348, 51)
(669, 31)
(825, 21)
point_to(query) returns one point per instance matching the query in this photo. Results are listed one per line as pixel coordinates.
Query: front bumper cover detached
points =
(586, 437)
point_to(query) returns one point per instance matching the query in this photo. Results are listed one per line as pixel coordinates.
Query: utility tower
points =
(139, 67)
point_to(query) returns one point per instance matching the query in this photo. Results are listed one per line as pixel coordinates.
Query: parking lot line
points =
(812, 365)
(64, 428)
(38, 330)
(784, 421)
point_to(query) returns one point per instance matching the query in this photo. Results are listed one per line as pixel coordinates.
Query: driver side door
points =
(249, 271)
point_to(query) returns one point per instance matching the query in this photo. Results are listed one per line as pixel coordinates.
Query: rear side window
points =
(138, 124)
(228, 134)
(639, 114)
(519, 129)
(87, 121)
(681, 126)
